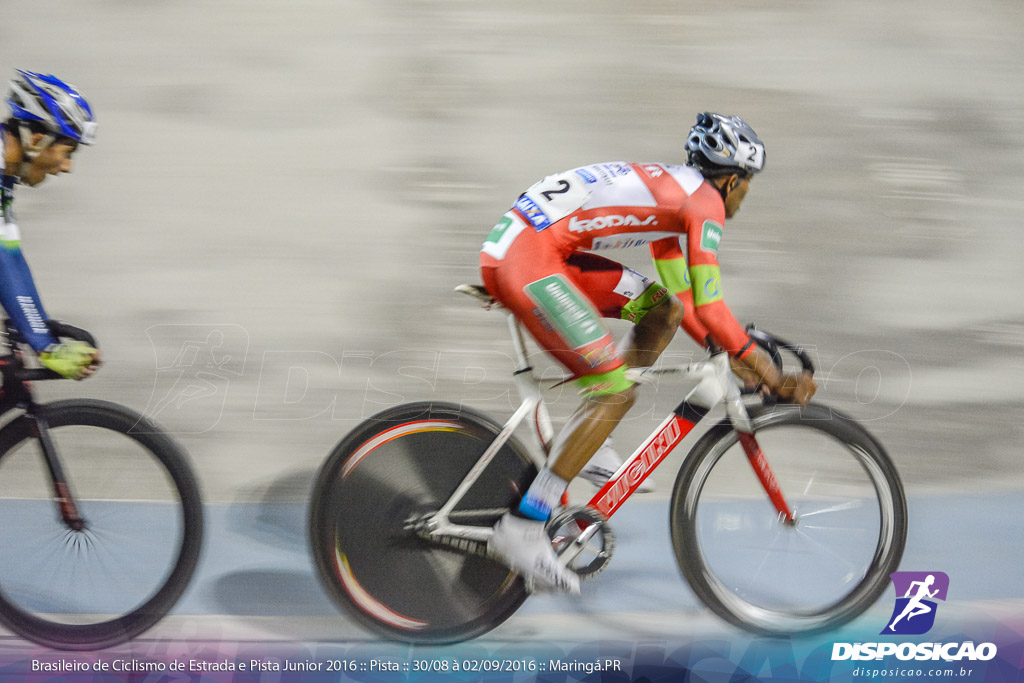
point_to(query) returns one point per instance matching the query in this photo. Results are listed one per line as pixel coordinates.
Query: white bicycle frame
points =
(715, 384)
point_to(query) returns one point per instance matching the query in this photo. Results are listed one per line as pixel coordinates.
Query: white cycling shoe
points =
(604, 464)
(524, 545)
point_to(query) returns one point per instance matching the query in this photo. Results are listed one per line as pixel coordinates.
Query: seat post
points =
(518, 343)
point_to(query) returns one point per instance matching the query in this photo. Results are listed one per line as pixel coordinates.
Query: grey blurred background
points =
(282, 196)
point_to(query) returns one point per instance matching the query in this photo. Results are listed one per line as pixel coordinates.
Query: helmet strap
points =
(30, 150)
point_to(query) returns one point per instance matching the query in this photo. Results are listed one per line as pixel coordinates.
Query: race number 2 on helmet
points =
(720, 145)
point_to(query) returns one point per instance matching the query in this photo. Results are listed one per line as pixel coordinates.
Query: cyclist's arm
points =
(704, 221)
(670, 262)
(669, 259)
(18, 293)
(702, 239)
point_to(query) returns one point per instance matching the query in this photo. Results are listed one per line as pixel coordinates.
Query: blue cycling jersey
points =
(18, 293)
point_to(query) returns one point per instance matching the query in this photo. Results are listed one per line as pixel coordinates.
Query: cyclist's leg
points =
(553, 300)
(617, 292)
(566, 324)
(528, 277)
(588, 428)
(562, 310)
(534, 282)
(621, 292)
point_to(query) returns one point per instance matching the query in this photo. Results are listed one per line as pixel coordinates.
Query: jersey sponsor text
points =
(613, 221)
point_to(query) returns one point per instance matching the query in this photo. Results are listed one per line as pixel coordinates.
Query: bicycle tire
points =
(169, 461)
(402, 461)
(695, 534)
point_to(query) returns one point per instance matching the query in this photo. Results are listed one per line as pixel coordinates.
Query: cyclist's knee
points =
(627, 396)
(673, 311)
(608, 387)
(655, 306)
(614, 405)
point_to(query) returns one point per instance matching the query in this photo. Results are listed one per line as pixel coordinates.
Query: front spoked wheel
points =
(763, 574)
(399, 466)
(114, 574)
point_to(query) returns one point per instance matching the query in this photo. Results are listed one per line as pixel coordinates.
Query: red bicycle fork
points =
(765, 475)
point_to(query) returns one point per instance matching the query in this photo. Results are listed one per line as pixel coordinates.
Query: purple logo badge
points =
(916, 593)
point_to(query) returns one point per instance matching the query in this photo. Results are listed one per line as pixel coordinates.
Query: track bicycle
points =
(784, 519)
(101, 518)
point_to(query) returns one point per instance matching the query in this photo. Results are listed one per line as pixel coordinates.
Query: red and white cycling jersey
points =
(612, 206)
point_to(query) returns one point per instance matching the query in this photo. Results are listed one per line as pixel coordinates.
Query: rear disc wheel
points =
(402, 464)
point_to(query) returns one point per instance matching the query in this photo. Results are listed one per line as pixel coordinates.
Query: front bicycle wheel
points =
(401, 463)
(125, 568)
(765, 575)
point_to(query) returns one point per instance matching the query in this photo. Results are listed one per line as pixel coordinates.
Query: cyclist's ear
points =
(35, 141)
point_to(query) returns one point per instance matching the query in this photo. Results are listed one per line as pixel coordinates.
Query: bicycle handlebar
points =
(773, 344)
(58, 329)
(63, 329)
(36, 375)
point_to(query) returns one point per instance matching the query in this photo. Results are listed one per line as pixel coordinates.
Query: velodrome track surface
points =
(282, 196)
(256, 582)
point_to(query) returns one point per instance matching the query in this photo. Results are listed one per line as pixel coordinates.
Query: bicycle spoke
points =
(852, 505)
(828, 551)
(829, 529)
(764, 560)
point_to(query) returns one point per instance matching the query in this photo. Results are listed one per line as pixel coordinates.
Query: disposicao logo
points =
(914, 612)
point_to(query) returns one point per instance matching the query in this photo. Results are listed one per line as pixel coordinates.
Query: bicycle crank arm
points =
(583, 539)
(579, 544)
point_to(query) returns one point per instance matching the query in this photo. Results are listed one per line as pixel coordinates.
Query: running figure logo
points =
(914, 613)
(195, 365)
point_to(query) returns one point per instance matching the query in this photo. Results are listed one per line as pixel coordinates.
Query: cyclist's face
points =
(734, 197)
(53, 160)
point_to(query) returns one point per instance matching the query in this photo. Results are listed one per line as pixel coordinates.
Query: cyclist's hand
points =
(797, 387)
(71, 360)
(750, 377)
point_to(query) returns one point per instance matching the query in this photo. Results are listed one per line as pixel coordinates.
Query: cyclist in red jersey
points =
(536, 263)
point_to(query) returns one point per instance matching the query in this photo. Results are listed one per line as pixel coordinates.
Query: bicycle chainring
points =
(583, 539)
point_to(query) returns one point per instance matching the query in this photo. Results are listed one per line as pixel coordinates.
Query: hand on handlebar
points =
(750, 377)
(796, 387)
(789, 387)
(72, 360)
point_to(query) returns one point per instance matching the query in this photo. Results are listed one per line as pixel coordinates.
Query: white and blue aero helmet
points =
(720, 144)
(51, 106)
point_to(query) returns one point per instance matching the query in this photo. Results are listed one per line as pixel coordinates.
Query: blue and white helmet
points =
(53, 105)
(718, 144)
